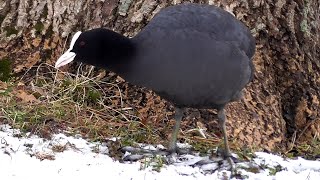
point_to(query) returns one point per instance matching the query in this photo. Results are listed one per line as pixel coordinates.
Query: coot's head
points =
(98, 47)
(85, 47)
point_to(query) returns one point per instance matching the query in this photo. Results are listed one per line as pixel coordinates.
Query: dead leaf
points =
(44, 156)
(3, 86)
(18, 68)
(36, 42)
(25, 97)
(20, 84)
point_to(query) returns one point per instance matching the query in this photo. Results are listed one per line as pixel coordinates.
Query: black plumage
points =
(192, 55)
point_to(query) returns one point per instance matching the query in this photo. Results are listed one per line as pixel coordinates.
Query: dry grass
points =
(52, 100)
(45, 101)
(309, 149)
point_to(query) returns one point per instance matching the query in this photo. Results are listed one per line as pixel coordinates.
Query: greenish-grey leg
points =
(222, 122)
(178, 117)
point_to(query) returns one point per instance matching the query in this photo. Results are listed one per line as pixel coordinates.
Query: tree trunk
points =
(282, 100)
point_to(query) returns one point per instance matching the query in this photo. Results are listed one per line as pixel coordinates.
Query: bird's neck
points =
(118, 51)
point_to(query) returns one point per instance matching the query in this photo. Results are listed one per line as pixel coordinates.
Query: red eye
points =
(82, 43)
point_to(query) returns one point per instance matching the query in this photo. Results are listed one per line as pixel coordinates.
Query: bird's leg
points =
(178, 117)
(172, 143)
(222, 122)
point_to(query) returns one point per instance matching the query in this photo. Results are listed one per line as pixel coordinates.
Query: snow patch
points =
(65, 157)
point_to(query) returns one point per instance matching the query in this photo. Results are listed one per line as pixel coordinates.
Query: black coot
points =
(193, 55)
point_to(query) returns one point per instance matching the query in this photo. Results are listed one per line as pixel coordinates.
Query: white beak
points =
(68, 56)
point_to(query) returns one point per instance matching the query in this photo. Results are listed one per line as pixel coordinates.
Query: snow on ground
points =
(75, 158)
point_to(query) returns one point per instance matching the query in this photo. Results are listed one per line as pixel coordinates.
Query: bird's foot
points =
(233, 169)
(230, 159)
(179, 150)
(136, 154)
(232, 165)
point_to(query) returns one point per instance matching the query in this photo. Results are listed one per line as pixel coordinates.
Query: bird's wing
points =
(212, 20)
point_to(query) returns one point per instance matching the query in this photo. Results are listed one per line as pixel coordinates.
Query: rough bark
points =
(282, 100)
